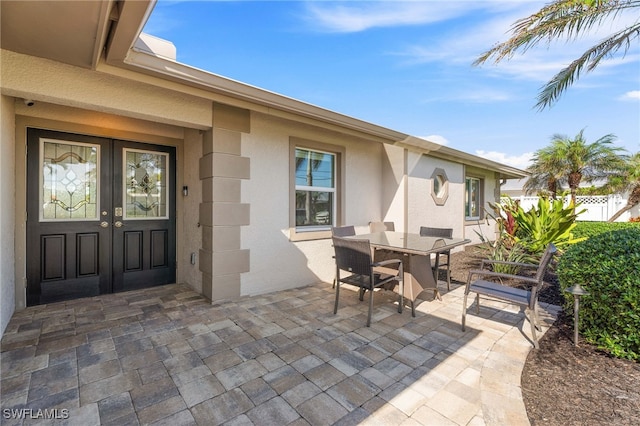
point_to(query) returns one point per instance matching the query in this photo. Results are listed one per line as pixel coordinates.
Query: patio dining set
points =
(402, 262)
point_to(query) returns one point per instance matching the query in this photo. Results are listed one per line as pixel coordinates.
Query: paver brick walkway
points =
(167, 356)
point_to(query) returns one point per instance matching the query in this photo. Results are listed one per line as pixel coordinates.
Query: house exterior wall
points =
(394, 188)
(276, 261)
(234, 226)
(56, 83)
(422, 208)
(7, 214)
(190, 236)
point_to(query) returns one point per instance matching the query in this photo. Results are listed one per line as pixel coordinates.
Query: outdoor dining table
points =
(415, 252)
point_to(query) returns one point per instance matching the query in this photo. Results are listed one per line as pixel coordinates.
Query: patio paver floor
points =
(166, 355)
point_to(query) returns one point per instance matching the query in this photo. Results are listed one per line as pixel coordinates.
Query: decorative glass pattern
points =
(145, 184)
(70, 174)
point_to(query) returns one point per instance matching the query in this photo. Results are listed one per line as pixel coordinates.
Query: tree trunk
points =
(574, 184)
(634, 199)
(552, 187)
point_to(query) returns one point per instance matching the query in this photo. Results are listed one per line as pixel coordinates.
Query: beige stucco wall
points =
(421, 208)
(56, 83)
(7, 216)
(190, 236)
(276, 262)
(394, 188)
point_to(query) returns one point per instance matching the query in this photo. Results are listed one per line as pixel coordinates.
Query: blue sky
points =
(407, 66)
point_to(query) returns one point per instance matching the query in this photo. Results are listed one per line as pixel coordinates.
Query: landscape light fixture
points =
(577, 292)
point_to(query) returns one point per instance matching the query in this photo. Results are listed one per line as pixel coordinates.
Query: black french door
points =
(100, 216)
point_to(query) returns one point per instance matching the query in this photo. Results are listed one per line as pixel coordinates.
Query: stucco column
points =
(222, 214)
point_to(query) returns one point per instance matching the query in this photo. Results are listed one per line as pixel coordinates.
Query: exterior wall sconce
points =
(185, 190)
(577, 292)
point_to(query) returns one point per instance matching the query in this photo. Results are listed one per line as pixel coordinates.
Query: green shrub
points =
(590, 229)
(608, 266)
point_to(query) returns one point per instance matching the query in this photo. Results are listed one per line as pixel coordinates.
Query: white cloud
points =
(520, 161)
(633, 95)
(360, 16)
(463, 45)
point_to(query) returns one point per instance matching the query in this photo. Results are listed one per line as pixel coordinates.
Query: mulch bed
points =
(564, 384)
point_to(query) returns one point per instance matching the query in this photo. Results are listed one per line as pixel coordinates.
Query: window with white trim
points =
(315, 189)
(473, 198)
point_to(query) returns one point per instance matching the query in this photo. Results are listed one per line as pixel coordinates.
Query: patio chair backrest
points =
(353, 255)
(343, 231)
(427, 231)
(381, 226)
(544, 262)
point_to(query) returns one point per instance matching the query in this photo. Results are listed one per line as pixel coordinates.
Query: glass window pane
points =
(70, 187)
(472, 204)
(145, 184)
(314, 168)
(314, 208)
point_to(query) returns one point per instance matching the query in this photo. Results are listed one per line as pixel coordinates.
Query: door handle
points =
(104, 224)
(118, 224)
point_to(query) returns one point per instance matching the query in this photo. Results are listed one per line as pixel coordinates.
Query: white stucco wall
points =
(43, 80)
(393, 186)
(276, 262)
(7, 215)
(190, 235)
(421, 207)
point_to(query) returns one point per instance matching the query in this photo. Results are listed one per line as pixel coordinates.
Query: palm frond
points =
(566, 19)
(561, 18)
(591, 58)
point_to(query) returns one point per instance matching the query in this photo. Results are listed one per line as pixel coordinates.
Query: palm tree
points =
(568, 19)
(575, 160)
(629, 180)
(545, 173)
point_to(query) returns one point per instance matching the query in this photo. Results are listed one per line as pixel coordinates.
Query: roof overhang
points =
(446, 153)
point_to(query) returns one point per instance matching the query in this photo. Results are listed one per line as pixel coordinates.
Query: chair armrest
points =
(386, 262)
(505, 262)
(480, 272)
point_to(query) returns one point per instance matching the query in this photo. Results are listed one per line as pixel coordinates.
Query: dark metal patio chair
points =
(444, 258)
(527, 299)
(342, 231)
(354, 257)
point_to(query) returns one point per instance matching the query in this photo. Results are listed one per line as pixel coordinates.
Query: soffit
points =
(72, 32)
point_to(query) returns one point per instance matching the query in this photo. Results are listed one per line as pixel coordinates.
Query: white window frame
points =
(301, 233)
(330, 190)
(467, 197)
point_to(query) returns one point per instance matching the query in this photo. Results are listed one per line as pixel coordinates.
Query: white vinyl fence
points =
(598, 207)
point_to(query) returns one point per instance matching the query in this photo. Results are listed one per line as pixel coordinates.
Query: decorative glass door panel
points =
(145, 184)
(70, 180)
